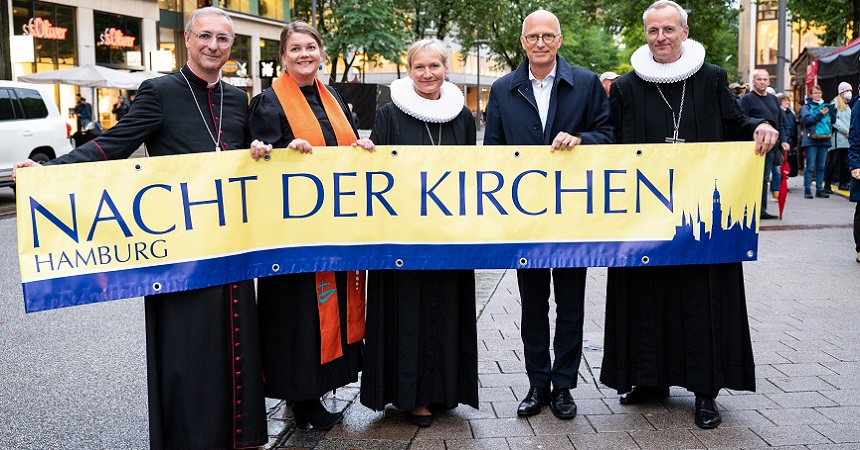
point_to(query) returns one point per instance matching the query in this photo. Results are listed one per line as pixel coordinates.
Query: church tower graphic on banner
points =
(727, 239)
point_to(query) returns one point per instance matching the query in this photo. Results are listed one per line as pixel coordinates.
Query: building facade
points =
(134, 35)
(758, 41)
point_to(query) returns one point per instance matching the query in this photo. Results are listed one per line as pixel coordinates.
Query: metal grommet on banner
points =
(523, 261)
(138, 167)
(394, 152)
(646, 260)
(267, 157)
(156, 286)
(639, 152)
(398, 263)
(750, 254)
(517, 154)
(276, 267)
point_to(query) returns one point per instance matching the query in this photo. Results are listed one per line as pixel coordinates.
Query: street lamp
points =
(478, 44)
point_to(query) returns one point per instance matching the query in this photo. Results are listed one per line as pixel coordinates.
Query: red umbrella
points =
(785, 169)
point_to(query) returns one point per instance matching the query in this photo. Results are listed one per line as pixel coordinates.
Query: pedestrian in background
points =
(85, 114)
(312, 324)
(817, 118)
(761, 104)
(790, 122)
(606, 79)
(548, 102)
(421, 349)
(120, 108)
(836, 168)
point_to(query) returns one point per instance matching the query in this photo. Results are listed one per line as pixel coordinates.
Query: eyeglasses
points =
(546, 38)
(668, 32)
(206, 37)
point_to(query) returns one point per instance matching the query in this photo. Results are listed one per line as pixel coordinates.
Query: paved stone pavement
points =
(803, 311)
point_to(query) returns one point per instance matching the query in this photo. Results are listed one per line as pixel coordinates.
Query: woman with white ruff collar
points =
(421, 342)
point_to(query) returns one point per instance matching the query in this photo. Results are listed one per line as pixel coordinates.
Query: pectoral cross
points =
(674, 139)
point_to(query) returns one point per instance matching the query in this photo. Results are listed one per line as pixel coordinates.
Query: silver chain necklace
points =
(438, 138)
(676, 123)
(220, 113)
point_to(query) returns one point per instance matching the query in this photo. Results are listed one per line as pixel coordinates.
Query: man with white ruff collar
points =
(546, 101)
(678, 325)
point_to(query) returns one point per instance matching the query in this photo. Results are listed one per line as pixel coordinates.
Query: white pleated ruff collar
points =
(443, 110)
(692, 58)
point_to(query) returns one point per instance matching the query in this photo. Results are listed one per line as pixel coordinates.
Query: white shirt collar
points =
(549, 77)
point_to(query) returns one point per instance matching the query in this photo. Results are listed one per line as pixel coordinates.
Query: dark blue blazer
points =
(578, 105)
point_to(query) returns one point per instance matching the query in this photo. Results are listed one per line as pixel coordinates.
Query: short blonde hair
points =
(432, 45)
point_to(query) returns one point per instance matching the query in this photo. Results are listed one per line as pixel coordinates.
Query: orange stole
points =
(304, 124)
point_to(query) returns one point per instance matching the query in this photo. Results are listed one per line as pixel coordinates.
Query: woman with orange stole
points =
(312, 324)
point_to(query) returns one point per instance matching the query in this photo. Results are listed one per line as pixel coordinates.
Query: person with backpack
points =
(817, 118)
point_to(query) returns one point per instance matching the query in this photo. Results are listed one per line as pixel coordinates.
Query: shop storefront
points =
(118, 46)
(44, 35)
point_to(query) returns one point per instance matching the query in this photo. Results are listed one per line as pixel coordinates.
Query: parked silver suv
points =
(30, 127)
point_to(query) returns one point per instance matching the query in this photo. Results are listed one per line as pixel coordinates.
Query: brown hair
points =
(299, 27)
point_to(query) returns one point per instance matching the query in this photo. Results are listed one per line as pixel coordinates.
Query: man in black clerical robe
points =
(678, 325)
(204, 371)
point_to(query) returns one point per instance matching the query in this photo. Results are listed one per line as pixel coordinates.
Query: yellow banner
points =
(107, 230)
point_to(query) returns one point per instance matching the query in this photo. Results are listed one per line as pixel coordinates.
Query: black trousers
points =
(857, 227)
(836, 168)
(569, 287)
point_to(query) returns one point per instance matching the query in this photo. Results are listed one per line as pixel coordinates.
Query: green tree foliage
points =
(423, 15)
(713, 23)
(840, 19)
(374, 29)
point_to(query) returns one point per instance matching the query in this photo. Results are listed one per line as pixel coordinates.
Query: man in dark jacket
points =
(204, 368)
(546, 101)
(120, 108)
(760, 104)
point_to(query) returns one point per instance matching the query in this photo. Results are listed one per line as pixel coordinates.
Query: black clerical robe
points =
(289, 312)
(204, 372)
(421, 329)
(678, 325)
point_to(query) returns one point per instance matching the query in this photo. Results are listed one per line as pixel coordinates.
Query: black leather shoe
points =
(312, 412)
(767, 216)
(420, 421)
(707, 414)
(562, 404)
(822, 194)
(641, 394)
(534, 401)
(828, 190)
(844, 187)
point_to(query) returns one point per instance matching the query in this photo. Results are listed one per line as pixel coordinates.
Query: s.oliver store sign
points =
(113, 37)
(40, 28)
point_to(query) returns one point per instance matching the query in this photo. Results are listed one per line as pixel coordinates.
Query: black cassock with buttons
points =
(678, 325)
(203, 351)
